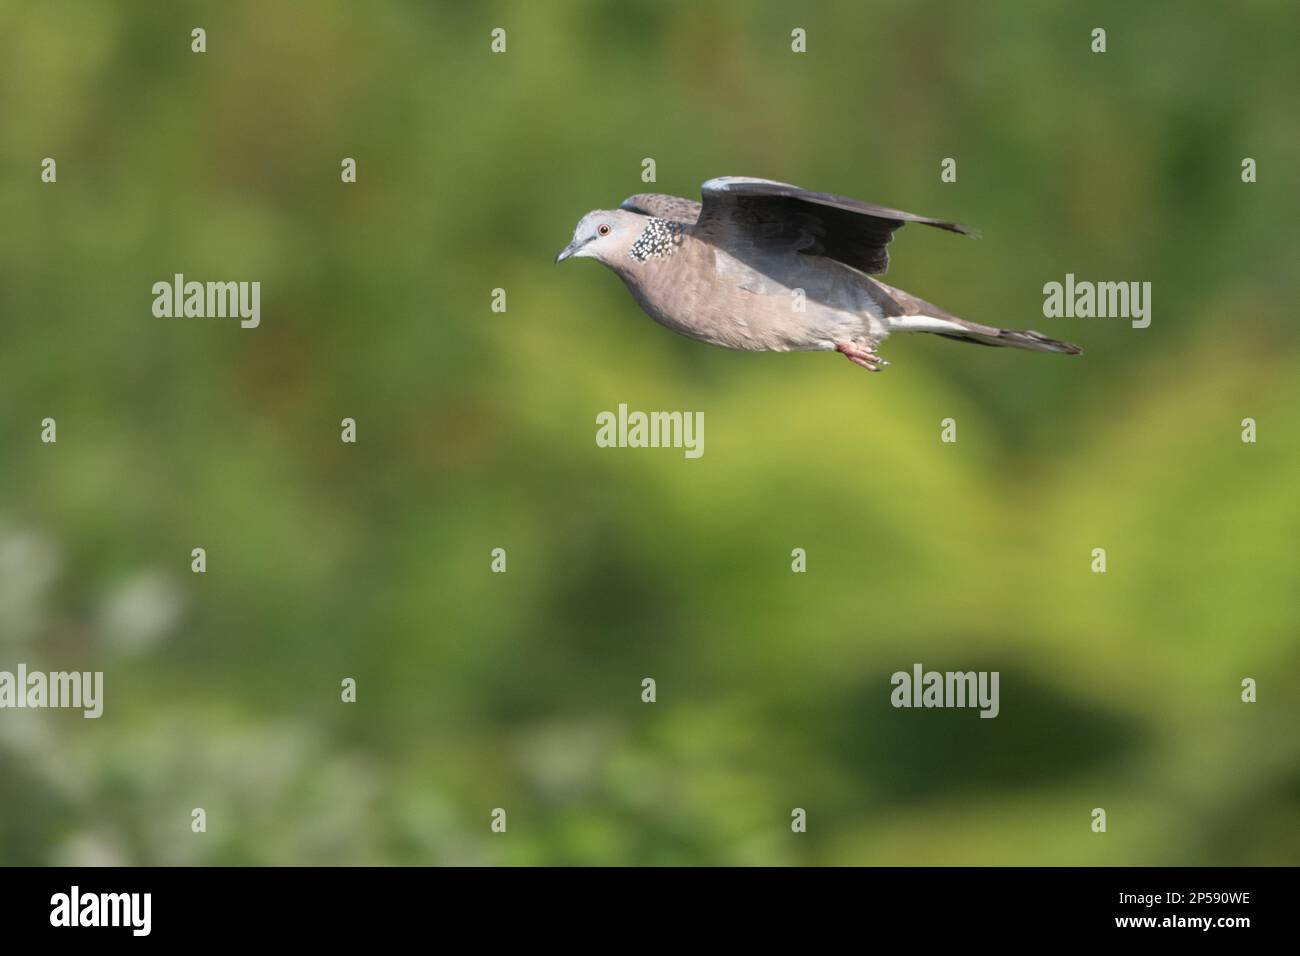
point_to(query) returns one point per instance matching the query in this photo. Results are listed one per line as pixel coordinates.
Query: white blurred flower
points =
(563, 760)
(89, 849)
(29, 563)
(141, 611)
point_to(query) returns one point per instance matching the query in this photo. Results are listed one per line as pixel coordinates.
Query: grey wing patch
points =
(733, 271)
(765, 213)
(663, 206)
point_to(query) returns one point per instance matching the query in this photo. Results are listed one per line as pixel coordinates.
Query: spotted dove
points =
(769, 267)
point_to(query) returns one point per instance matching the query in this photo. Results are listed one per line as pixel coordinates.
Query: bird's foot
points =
(861, 355)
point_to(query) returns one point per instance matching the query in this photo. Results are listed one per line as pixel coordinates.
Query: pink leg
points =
(861, 355)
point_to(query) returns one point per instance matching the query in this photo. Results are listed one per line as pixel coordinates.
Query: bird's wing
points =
(662, 206)
(759, 212)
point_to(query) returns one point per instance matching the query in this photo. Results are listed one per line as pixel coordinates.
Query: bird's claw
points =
(862, 356)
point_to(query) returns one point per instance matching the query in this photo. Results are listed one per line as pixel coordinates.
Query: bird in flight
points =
(768, 267)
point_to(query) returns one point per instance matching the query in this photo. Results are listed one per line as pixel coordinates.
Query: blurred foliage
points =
(476, 431)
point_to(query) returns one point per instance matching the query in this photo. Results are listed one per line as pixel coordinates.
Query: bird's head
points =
(604, 234)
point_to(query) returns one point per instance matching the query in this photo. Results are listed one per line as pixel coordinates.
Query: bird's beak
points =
(569, 250)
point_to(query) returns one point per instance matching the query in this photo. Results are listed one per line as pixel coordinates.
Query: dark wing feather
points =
(761, 212)
(662, 206)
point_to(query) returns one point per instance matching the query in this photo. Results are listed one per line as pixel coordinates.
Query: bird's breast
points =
(744, 302)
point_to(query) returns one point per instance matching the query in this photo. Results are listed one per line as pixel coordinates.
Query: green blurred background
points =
(476, 431)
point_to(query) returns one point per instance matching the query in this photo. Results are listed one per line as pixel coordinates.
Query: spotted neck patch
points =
(659, 241)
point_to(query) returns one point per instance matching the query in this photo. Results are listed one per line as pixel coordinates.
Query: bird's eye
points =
(602, 230)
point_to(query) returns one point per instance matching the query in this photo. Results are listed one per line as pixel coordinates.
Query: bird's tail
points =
(1016, 339)
(963, 331)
